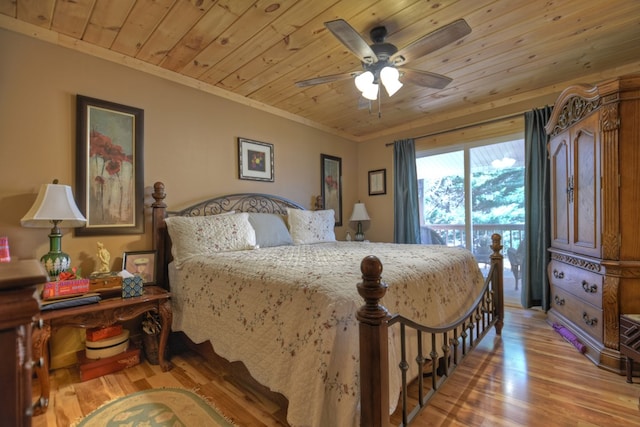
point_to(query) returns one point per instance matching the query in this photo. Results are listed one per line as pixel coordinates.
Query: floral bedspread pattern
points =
(288, 313)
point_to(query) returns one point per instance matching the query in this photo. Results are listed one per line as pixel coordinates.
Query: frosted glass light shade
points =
(364, 80)
(371, 93)
(389, 77)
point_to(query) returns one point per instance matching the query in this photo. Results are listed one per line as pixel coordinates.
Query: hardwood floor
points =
(529, 377)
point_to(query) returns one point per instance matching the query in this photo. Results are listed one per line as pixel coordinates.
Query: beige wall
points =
(189, 142)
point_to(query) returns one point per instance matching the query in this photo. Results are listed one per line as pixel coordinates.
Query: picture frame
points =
(141, 263)
(109, 167)
(331, 185)
(255, 160)
(377, 182)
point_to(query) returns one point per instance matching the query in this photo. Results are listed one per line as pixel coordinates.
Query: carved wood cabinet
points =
(18, 306)
(594, 271)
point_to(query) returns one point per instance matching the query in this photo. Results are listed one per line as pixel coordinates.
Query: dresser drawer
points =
(582, 314)
(585, 285)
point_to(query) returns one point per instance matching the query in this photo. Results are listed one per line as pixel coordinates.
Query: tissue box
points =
(132, 286)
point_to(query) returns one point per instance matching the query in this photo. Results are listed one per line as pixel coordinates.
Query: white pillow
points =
(207, 235)
(311, 226)
(270, 229)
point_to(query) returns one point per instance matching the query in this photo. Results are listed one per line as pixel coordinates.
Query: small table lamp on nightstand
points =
(54, 205)
(359, 214)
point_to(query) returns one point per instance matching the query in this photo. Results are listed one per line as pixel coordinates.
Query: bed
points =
(266, 283)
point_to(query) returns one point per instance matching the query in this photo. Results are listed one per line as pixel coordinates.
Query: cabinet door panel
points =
(560, 214)
(586, 188)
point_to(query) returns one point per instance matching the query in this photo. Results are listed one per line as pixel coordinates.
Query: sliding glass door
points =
(470, 193)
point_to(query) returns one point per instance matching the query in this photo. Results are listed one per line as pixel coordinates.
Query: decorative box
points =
(132, 287)
(97, 334)
(107, 347)
(65, 288)
(100, 282)
(95, 368)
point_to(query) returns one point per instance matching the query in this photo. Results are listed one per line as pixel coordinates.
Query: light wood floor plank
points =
(529, 377)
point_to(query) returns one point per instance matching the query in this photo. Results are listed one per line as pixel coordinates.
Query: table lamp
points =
(359, 214)
(54, 205)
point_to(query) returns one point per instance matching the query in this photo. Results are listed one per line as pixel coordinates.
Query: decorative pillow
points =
(311, 226)
(207, 235)
(270, 229)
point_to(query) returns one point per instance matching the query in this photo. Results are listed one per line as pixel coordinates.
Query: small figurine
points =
(319, 205)
(104, 256)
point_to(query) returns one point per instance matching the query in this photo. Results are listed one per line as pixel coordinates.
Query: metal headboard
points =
(241, 202)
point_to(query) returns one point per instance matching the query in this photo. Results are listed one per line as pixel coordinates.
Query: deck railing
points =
(455, 235)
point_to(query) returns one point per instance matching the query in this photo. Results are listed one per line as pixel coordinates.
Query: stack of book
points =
(107, 350)
(67, 293)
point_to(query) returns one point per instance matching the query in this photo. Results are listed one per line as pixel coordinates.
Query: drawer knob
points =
(558, 300)
(558, 274)
(589, 289)
(589, 321)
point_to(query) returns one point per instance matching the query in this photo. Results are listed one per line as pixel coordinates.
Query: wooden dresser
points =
(18, 306)
(594, 272)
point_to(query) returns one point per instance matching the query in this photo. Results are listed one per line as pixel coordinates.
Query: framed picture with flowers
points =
(109, 167)
(331, 189)
(255, 160)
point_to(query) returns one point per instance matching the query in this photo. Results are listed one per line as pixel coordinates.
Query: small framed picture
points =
(141, 263)
(255, 160)
(377, 182)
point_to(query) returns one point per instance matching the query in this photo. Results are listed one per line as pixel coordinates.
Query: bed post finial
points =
(158, 195)
(159, 213)
(497, 261)
(374, 370)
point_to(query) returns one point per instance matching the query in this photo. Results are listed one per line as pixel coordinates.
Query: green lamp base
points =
(56, 261)
(359, 233)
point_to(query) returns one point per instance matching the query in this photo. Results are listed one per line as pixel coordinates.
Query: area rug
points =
(156, 408)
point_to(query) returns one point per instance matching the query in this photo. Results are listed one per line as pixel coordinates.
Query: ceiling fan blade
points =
(326, 79)
(432, 42)
(352, 40)
(424, 78)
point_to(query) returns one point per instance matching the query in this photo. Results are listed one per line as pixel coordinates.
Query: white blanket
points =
(288, 313)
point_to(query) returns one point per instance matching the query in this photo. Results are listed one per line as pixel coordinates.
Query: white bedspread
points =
(288, 313)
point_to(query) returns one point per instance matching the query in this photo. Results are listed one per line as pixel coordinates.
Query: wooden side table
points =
(104, 313)
(630, 340)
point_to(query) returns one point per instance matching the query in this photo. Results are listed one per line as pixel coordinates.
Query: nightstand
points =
(104, 313)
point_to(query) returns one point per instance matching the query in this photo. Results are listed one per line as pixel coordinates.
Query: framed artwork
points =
(109, 167)
(141, 263)
(255, 160)
(377, 182)
(331, 176)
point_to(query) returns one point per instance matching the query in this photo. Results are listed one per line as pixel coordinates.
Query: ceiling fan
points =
(382, 62)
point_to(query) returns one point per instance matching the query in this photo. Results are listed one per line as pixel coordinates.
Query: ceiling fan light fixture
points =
(364, 81)
(371, 92)
(390, 79)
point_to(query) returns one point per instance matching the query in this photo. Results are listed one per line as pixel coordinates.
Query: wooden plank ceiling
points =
(519, 52)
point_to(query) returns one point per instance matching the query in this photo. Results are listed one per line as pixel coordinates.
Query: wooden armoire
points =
(594, 271)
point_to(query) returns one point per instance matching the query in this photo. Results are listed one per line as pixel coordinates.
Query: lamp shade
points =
(389, 77)
(54, 203)
(359, 213)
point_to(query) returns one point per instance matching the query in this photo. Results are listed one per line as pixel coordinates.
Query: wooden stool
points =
(630, 340)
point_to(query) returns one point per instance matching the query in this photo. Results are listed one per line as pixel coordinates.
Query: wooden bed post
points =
(159, 233)
(497, 284)
(374, 352)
